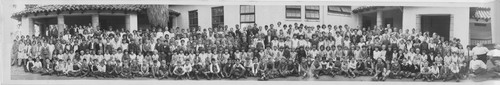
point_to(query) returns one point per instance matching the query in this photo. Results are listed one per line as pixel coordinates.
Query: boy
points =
(237, 70)
(49, 67)
(454, 68)
(164, 70)
(75, 69)
(178, 70)
(379, 70)
(156, 73)
(395, 69)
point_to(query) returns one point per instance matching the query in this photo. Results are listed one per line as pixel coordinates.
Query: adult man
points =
(480, 51)
(494, 54)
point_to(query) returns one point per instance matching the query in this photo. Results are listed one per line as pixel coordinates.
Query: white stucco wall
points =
(264, 15)
(495, 21)
(460, 21)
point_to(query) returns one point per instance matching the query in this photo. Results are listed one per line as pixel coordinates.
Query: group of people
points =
(252, 51)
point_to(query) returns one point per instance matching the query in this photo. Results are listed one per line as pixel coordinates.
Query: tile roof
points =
(366, 8)
(53, 8)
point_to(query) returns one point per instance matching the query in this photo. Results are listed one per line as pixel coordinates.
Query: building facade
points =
(38, 19)
(243, 15)
(450, 22)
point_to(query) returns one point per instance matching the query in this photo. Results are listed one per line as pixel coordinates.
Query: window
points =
(217, 16)
(247, 14)
(479, 24)
(312, 12)
(193, 19)
(340, 10)
(293, 12)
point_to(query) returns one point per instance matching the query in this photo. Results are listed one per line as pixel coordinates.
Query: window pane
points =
(340, 9)
(247, 9)
(334, 8)
(193, 18)
(293, 13)
(248, 18)
(217, 16)
(312, 7)
(312, 14)
(346, 9)
(293, 6)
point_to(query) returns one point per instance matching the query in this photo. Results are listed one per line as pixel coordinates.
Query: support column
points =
(495, 22)
(60, 23)
(131, 22)
(95, 21)
(379, 18)
(360, 21)
(27, 25)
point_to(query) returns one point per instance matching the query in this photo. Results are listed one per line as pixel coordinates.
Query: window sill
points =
(312, 20)
(337, 14)
(296, 20)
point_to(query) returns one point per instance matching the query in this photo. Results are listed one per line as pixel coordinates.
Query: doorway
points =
(439, 24)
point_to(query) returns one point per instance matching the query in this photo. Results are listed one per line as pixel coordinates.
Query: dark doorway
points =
(44, 24)
(112, 22)
(439, 24)
(369, 20)
(78, 20)
(170, 23)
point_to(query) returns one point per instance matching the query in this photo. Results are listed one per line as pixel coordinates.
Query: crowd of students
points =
(253, 51)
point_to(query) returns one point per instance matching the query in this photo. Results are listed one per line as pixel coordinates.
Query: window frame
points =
(342, 11)
(288, 8)
(214, 16)
(309, 9)
(194, 18)
(249, 13)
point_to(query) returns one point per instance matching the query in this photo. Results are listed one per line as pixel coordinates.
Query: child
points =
(37, 67)
(156, 69)
(127, 70)
(144, 69)
(424, 73)
(395, 69)
(434, 72)
(29, 65)
(237, 70)
(351, 68)
(75, 69)
(254, 65)
(85, 70)
(188, 68)
(101, 67)
(94, 68)
(345, 69)
(214, 69)
(379, 70)
(164, 70)
(60, 67)
(49, 67)
(135, 68)
(330, 68)
(454, 68)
